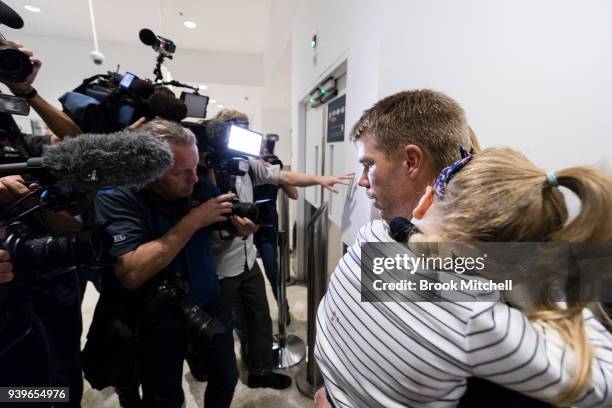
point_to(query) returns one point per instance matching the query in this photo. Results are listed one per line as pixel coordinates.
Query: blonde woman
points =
(425, 351)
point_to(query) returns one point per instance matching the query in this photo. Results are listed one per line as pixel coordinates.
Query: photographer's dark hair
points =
(164, 104)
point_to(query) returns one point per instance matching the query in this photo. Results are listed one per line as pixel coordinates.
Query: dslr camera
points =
(173, 293)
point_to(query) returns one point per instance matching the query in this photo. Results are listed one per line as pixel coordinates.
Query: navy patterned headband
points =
(448, 172)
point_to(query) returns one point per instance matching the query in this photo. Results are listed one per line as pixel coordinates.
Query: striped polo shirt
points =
(420, 354)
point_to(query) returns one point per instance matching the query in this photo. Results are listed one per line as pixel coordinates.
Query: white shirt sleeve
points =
(263, 174)
(504, 347)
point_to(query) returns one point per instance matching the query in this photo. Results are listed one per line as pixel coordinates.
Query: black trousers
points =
(40, 338)
(248, 292)
(24, 354)
(160, 362)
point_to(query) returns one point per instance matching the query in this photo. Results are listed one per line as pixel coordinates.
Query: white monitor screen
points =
(244, 141)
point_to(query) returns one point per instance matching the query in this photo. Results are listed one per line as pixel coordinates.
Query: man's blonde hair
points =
(500, 196)
(429, 119)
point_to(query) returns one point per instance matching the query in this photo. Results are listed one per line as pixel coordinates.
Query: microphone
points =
(91, 162)
(142, 88)
(401, 229)
(9, 17)
(147, 36)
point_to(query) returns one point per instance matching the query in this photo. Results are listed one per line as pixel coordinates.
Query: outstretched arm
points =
(298, 179)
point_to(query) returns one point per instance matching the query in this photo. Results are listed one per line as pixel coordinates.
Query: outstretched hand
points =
(330, 181)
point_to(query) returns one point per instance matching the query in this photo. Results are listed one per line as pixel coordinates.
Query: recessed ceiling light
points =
(190, 24)
(220, 106)
(202, 87)
(33, 9)
(213, 101)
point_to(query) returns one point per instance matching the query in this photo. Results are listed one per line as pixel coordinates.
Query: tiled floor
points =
(244, 397)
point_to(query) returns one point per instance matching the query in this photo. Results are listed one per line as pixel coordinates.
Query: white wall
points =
(229, 77)
(277, 99)
(531, 75)
(347, 30)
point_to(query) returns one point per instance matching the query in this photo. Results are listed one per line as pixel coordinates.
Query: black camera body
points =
(164, 46)
(15, 66)
(173, 293)
(256, 212)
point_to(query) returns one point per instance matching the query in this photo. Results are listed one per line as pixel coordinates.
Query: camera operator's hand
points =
(138, 123)
(212, 210)
(244, 226)
(25, 86)
(6, 267)
(11, 189)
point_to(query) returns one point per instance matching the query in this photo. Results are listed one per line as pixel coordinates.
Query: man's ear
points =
(414, 157)
(424, 203)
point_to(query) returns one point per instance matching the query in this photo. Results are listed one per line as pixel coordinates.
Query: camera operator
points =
(156, 234)
(40, 322)
(58, 122)
(241, 279)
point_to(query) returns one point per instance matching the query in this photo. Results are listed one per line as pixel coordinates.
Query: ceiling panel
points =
(235, 26)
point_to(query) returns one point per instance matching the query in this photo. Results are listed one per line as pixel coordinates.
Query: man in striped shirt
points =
(392, 354)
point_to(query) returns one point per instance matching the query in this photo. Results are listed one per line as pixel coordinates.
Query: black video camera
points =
(224, 146)
(160, 44)
(32, 250)
(163, 46)
(25, 233)
(108, 102)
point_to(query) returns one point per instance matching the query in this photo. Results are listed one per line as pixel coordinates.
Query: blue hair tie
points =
(552, 179)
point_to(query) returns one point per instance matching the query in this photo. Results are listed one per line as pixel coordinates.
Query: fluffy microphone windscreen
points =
(9, 17)
(94, 161)
(147, 36)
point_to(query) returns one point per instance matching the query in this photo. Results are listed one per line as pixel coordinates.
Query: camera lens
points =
(84, 247)
(246, 210)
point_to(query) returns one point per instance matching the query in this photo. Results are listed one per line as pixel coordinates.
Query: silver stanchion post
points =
(288, 350)
(309, 378)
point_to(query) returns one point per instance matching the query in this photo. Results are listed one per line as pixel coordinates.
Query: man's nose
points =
(363, 180)
(193, 176)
